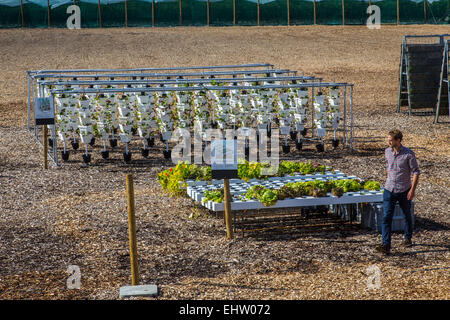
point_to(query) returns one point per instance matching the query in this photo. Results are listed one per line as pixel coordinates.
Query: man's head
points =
(395, 138)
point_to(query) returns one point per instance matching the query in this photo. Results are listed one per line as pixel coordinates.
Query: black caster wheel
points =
(299, 145)
(75, 145)
(304, 132)
(319, 147)
(113, 143)
(105, 154)
(167, 154)
(293, 135)
(127, 157)
(65, 155)
(86, 158)
(50, 142)
(151, 142)
(92, 142)
(144, 152)
(335, 143)
(286, 149)
(133, 131)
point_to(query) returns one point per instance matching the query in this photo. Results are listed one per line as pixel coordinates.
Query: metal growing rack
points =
(312, 85)
(421, 68)
(34, 77)
(171, 81)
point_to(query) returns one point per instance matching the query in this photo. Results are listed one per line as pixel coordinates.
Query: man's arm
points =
(414, 183)
(416, 172)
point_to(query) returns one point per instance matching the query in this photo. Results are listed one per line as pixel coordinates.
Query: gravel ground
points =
(76, 214)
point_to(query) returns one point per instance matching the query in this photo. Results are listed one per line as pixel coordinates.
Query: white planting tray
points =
(347, 198)
(238, 187)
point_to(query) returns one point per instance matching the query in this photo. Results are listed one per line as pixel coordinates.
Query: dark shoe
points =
(407, 243)
(382, 248)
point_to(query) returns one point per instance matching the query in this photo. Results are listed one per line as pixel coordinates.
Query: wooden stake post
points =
(132, 231)
(227, 199)
(45, 146)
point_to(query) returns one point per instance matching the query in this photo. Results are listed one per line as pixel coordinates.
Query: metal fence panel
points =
(89, 13)
(411, 11)
(329, 11)
(246, 12)
(35, 13)
(273, 12)
(301, 12)
(194, 12)
(113, 13)
(58, 13)
(139, 13)
(221, 13)
(167, 13)
(438, 11)
(355, 11)
(388, 10)
(10, 16)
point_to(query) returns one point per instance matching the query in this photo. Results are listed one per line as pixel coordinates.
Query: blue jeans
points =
(389, 201)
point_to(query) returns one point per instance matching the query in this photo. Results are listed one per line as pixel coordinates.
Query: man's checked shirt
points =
(400, 166)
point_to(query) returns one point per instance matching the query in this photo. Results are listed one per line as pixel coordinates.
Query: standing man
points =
(400, 164)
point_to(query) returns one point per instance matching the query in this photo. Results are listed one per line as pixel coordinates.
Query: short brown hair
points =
(396, 134)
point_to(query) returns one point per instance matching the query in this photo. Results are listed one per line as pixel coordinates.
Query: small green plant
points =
(213, 195)
(372, 185)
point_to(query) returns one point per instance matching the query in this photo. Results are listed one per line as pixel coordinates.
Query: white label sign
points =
(224, 155)
(44, 111)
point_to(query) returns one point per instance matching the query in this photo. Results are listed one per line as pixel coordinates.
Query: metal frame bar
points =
(345, 117)
(401, 78)
(178, 74)
(440, 36)
(252, 65)
(177, 81)
(445, 61)
(201, 87)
